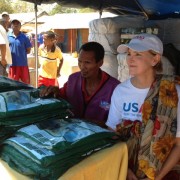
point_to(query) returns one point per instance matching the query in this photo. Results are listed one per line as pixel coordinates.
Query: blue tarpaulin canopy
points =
(151, 9)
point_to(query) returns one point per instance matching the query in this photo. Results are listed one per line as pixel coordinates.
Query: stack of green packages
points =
(46, 150)
(7, 84)
(20, 105)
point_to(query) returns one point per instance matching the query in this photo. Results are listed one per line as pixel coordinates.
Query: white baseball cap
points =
(5, 13)
(143, 42)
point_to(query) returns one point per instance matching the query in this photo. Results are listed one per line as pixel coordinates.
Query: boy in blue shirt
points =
(20, 46)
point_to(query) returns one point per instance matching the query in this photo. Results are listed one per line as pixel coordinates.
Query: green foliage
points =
(12, 6)
(86, 10)
(5, 6)
(56, 9)
(20, 6)
(59, 9)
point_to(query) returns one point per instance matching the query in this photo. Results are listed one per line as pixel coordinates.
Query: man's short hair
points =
(96, 47)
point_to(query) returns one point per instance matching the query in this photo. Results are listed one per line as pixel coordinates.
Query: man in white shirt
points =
(5, 53)
(5, 16)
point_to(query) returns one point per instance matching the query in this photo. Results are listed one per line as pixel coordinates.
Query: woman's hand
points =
(131, 175)
(157, 177)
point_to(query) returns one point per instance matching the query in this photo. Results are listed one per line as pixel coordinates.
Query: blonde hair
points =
(159, 66)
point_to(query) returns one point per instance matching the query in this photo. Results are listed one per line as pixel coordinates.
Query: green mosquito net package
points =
(46, 150)
(20, 105)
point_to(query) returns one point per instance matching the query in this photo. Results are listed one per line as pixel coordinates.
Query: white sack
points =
(123, 70)
(106, 32)
(110, 65)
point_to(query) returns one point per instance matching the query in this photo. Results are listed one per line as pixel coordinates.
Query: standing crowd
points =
(14, 48)
(144, 110)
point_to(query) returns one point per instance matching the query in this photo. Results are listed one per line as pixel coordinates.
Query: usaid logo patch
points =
(105, 105)
(133, 107)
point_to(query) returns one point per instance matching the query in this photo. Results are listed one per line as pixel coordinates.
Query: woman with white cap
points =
(145, 110)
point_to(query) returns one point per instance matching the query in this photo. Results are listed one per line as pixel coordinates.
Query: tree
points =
(86, 10)
(20, 6)
(6, 6)
(59, 9)
(16, 6)
(56, 9)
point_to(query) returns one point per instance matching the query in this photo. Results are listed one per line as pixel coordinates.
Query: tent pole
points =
(144, 12)
(36, 44)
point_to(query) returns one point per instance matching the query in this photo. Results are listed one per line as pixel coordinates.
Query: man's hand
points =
(50, 91)
(3, 62)
(58, 74)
